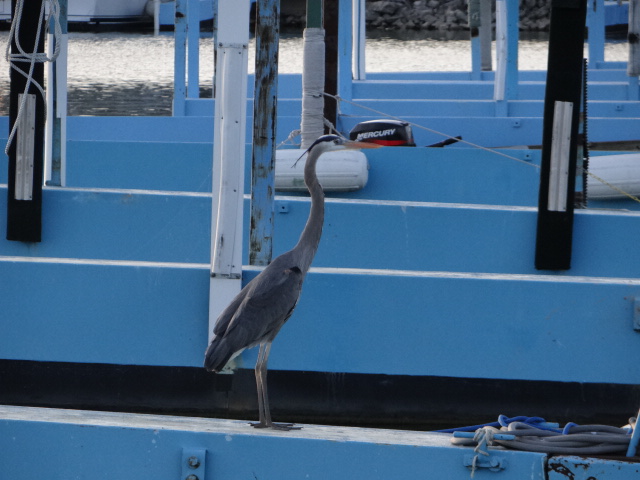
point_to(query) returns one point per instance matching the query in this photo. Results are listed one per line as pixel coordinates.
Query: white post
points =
(501, 51)
(312, 121)
(506, 83)
(55, 150)
(560, 145)
(228, 154)
(359, 40)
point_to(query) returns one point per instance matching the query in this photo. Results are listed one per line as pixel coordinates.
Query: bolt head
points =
(193, 462)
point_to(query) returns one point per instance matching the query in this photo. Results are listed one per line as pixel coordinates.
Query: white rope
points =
(31, 57)
(312, 124)
(484, 439)
(422, 127)
(289, 139)
(474, 145)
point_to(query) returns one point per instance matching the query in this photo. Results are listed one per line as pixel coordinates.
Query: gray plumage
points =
(258, 312)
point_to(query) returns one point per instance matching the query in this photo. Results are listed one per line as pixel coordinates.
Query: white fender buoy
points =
(340, 171)
(621, 171)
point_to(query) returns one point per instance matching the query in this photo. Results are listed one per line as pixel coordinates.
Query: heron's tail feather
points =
(217, 355)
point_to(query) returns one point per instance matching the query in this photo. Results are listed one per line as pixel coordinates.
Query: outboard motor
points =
(384, 132)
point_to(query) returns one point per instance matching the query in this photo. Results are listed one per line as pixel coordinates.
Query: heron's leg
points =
(260, 388)
(265, 395)
(261, 380)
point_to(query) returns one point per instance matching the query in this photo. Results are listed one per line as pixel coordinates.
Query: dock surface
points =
(64, 444)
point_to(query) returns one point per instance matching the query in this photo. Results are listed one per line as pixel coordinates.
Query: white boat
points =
(94, 11)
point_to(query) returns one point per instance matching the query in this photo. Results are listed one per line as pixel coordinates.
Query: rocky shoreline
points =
(443, 15)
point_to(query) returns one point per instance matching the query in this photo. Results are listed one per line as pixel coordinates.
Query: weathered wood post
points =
(633, 65)
(265, 114)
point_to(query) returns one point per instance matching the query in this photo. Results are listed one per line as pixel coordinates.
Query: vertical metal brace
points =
(56, 122)
(492, 463)
(560, 145)
(25, 148)
(228, 155)
(229, 150)
(193, 464)
(359, 71)
(506, 76)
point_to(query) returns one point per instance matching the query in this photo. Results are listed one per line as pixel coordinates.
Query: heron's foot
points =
(276, 426)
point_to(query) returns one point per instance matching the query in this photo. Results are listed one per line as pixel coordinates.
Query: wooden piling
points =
(265, 108)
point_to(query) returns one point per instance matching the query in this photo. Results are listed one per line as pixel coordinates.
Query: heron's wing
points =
(222, 323)
(266, 306)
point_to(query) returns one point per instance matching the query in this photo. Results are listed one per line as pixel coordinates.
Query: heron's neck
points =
(310, 237)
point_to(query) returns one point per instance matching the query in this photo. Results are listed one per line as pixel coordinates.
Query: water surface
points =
(125, 73)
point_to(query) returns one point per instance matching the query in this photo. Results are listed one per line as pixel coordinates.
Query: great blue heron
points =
(257, 313)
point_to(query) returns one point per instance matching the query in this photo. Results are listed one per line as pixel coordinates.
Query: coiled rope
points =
(21, 56)
(535, 435)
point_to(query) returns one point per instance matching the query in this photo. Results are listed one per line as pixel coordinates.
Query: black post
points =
(560, 138)
(24, 206)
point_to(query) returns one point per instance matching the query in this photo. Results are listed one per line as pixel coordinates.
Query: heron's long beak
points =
(352, 144)
(348, 145)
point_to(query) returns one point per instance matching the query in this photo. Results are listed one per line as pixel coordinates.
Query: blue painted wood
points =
(162, 228)
(106, 314)
(101, 446)
(193, 50)
(596, 30)
(616, 13)
(486, 328)
(383, 323)
(580, 468)
(441, 323)
(345, 49)
(180, 49)
(148, 165)
(120, 226)
(487, 131)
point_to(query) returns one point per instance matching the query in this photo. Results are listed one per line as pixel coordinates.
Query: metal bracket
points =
(283, 207)
(193, 463)
(636, 314)
(25, 148)
(491, 462)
